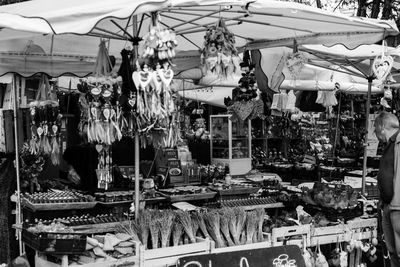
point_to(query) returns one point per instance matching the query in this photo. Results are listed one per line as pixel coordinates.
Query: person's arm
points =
(73, 176)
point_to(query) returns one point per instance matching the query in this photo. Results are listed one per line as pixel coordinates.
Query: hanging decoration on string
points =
(295, 62)
(101, 114)
(219, 57)
(45, 123)
(157, 111)
(246, 102)
(381, 68)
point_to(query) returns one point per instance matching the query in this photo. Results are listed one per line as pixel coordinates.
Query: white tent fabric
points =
(256, 24)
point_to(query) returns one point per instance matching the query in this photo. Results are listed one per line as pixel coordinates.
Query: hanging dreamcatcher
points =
(157, 116)
(45, 123)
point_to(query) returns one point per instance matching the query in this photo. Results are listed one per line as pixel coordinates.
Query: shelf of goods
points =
(169, 255)
(358, 229)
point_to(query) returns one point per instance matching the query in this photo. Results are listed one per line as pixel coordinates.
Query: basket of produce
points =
(54, 239)
(332, 199)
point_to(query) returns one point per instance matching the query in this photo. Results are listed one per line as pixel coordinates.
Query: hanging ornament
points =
(219, 56)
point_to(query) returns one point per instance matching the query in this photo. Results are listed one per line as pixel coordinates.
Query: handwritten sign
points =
(284, 256)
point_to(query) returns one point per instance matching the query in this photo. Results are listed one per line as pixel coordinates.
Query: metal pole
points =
(368, 106)
(18, 213)
(137, 144)
(137, 193)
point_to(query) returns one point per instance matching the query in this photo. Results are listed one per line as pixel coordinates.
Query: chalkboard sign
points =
(284, 256)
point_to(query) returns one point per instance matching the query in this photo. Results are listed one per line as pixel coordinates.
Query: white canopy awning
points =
(256, 24)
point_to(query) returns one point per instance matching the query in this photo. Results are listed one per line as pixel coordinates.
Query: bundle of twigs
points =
(154, 231)
(240, 215)
(202, 225)
(186, 221)
(251, 224)
(177, 233)
(195, 223)
(224, 224)
(166, 221)
(131, 229)
(260, 213)
(232, 223)
(212, 220)
(143, 225)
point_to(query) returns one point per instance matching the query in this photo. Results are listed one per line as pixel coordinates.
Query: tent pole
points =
(18, 213)
(368, 106)
(137, 150)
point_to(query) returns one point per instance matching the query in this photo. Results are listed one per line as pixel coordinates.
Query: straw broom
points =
(144, 221)
(212, 221)
(240, 215)
(201, 223)
(224, 224)
(131, 229)
(251, 224)
(195, 224)
(260, 212)
(232, 223)
(154, 231)
(177, 233)
(166, 221)
(186, 221)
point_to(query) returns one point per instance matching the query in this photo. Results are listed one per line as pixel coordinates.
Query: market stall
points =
(105, 122)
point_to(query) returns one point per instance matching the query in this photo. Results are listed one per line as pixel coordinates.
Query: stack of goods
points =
(219, 56)
(100, 248)
(248, 202)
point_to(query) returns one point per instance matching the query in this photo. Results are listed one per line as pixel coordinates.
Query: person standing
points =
(387, 131)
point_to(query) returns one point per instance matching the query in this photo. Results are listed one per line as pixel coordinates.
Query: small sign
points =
(175, 171)
(127, 172)
(171, 153)
(283, 256)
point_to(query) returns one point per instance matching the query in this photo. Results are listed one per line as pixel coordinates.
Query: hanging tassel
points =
(55, 153)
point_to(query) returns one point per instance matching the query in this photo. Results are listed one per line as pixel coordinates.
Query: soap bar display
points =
(57, 197)
(57, 200)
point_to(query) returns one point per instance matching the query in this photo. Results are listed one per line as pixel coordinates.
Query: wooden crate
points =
(287, 235)
(329, 234)
(41, 260)
(264, 244)
(359, 229)
(169, 256)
